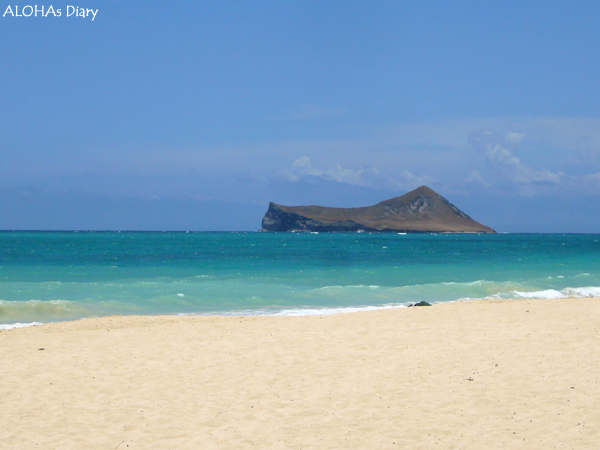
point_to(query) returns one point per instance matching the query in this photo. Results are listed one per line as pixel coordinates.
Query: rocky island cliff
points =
(422, 210)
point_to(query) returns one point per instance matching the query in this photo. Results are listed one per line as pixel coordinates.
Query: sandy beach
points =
(510, 374)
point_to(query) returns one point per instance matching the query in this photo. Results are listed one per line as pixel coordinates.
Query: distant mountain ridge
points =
(422, 210)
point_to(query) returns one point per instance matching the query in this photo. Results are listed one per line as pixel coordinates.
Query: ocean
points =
(54, 276)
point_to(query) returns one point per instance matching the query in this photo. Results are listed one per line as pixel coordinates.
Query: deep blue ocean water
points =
(49, 276)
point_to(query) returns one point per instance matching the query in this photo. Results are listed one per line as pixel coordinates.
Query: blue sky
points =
(182, 116)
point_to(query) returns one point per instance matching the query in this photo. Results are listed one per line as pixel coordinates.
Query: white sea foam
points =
(350, 286)
(329, 311)
(590, 291)
(322, 311)
(546, 293)
(10, 326)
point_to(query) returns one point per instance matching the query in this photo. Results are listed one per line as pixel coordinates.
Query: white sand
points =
(468, 375)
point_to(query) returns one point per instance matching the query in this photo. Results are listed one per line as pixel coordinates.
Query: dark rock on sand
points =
(423, 303)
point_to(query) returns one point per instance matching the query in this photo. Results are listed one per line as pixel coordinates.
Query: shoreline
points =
(466, 374)
(544, 294)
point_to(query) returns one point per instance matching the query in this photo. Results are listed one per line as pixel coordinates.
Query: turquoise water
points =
(47, 276)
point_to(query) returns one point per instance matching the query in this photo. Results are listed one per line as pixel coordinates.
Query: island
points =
(420, 211)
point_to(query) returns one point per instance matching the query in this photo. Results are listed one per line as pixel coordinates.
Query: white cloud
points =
(370, 176)
(476, 178)
(303, 167)
(445, 153)
(497, 150)
(417, 180)
(514, 137)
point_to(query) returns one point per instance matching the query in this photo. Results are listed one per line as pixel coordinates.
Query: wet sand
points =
(509, 374)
